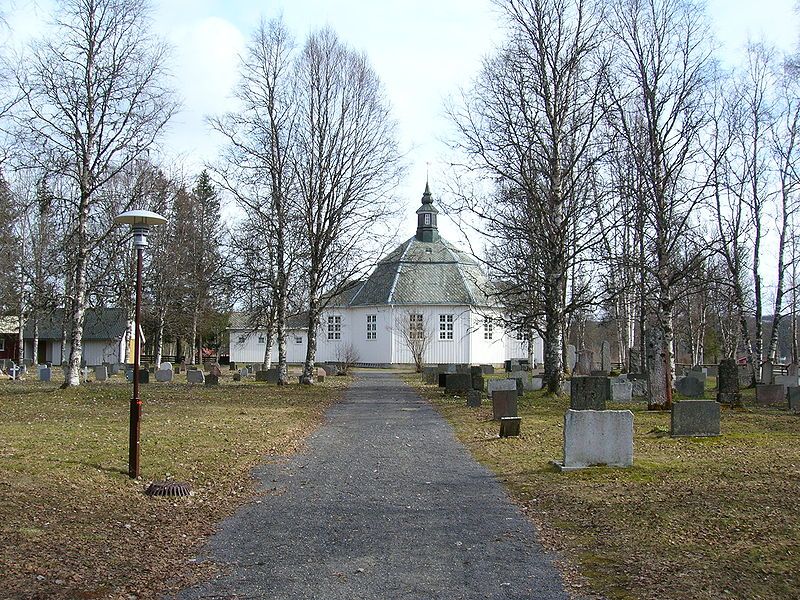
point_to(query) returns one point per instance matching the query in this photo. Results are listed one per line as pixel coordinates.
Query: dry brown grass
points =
(73, 525)
(693, 518)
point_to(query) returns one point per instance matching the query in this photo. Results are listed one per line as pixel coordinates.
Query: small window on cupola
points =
(427, 218)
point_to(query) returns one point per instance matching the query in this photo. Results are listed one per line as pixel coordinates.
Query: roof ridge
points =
(399, 269)
(460, 273)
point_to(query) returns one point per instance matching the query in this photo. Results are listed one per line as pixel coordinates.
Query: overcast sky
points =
(423, 50)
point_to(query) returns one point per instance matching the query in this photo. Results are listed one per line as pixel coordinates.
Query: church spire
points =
(426, 218)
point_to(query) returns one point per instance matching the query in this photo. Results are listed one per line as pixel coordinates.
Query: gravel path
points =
(385, 503)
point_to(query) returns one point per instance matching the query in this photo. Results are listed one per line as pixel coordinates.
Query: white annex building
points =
(425, 287)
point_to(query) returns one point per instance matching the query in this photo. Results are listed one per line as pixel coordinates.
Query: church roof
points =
(425, 269)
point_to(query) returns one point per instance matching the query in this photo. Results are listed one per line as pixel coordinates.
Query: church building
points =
(426, 294)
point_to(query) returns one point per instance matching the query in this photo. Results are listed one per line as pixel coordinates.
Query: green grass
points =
(693, 518)
(73, 525)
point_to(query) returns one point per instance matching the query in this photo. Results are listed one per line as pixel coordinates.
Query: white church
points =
(425, 287)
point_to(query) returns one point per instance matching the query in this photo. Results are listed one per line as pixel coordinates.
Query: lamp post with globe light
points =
(140, 222)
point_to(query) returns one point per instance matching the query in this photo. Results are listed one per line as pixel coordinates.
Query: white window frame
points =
(416, 327)
(262, 339)
(372, 327)
(488, 329)
(446, 327)
(298, 339)
(334, 327)
(242, 339)
(427, 218)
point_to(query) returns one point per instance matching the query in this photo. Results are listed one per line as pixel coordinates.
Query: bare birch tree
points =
(346, 163)
(528, 123)
(95, 100)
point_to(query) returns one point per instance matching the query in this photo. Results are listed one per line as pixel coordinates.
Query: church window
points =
(415, 327)
(335, 327)
(445, 327)
(241, 339)
(427, 218)
(262, 339)
(488, 329)
(372, 327)
(522, 336)
(298, 339)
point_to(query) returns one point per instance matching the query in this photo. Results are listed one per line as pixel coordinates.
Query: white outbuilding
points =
(426, 295)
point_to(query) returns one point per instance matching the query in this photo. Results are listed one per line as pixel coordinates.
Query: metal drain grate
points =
(168, 488)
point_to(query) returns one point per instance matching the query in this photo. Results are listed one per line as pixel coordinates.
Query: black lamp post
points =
(140, 222)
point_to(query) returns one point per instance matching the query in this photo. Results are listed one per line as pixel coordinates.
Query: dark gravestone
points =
(212, 380)
(458, 383)
(330, 369)
(232, 366)
(475, 371)
(463, 369)
(585, 362)
(273, 375)
(697, 418)
(474, 398)
(634, 360)
(430, 375)
(215, 370)
(237, 376)
(262, 375)
(507, 366)
(589, 393)
(794, 400)
(728, 383)
(144, 376)
(767, 372)
(504, 404)
(487, 369)
(477, 382)
(446, 368)
(520, 386)
(509, 426)
(442, 379)
(770, 394)
(690, 386)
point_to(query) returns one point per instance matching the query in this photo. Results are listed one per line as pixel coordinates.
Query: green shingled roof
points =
(422, 273)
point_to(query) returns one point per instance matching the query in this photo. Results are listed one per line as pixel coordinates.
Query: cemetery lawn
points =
(73, 525)
(693, 518)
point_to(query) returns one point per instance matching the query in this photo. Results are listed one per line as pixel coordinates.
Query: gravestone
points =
(566, 387)
(537, 383)
(212, 380)
(273, 376)
(446, 368)
(129, 373)
(728, 383)
(527, 380)
(585, 362)
(165, 366)
(215, 370)
(794, 400)
(151, 369)
(487, 369)
(475, 371)
(164, 375)
(496, 385)
(262, 376)
(100, 373)
(442, 381)
(195, 376)
(45, 374)
(787, 380)
(144, 376)
(177, 369)
(510, 426)
(430, 375)
(767, 372)
(792, 370)
(331, 370)
(504, 404)
(474, 398)
(657, 369)
(458, 383)
(114, 369)
(477, 382)
(690, 386)
(243, 373)
(232, 366)
(572, 357)
(699, 373)
(597, 437)
(321, 373)
(770, 394)
(237, 376)
(694, 418)
(621, 391)
(463, 369)
(520, 385)
(507, 366)
(589, 393)
(605, 357)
